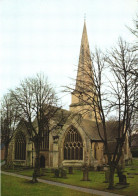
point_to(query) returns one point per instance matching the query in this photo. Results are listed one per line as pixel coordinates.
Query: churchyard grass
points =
(96, 179)
(14, 186)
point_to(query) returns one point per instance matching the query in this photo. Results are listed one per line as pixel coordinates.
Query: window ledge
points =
(73, 163)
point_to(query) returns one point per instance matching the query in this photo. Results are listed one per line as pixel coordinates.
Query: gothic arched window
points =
(80, 97)
(73, 145)
(45, 141)
(95, 151)
(20, 146)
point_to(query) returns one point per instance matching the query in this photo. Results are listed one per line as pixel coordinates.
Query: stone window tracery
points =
(45, 141)
(20, 146)
(73, 145)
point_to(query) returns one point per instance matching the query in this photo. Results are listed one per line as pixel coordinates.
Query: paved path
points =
(86, 190)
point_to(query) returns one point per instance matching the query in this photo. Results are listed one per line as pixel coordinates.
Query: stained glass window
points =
(20, 146)
(73, 145)
(45, 141)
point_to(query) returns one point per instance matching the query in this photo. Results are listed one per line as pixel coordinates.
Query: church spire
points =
(84, 40)
(85, 64)
(84, 80)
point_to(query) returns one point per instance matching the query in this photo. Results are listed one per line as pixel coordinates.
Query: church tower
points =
(84, 81)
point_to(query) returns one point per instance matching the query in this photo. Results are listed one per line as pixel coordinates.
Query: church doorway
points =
(42, 161)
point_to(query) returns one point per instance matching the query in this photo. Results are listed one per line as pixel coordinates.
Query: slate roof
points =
(91, 130)
(89, 127)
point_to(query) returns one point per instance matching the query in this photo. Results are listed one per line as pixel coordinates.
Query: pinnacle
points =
(84, 40)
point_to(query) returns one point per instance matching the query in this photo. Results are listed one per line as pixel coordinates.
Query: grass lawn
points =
(13, 186)
(96, 179)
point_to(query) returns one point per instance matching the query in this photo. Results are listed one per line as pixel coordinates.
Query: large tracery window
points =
(45, 141)
(73, 146)
(20, 146)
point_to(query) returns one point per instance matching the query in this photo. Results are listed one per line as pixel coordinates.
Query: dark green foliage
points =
(134, 152)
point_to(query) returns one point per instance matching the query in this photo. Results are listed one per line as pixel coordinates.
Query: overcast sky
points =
(45, 36)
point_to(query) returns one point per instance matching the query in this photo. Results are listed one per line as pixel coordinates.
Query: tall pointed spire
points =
(84, 66)
(84, 40)
(84, 80)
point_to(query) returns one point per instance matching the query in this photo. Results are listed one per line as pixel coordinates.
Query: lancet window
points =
(45, 141)
(20, 146)
(73, 145)
(80, 97)
(95, 151)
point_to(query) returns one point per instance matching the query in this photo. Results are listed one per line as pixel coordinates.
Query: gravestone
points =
(122, 177)
(70, 170)
(107, 173)
(85, 174)
(63, 173)
(57, 173)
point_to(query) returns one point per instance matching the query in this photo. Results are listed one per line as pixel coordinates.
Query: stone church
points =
(75, 143)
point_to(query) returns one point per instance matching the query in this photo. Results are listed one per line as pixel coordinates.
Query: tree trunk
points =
(6, 153)
(36, 172)
(111, 177)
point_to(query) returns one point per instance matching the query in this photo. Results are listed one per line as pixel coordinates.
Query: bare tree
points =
(38, 106)
(9, 120)
(122, 62)
(124, 97)
(134, 31)
(134, 71)
(103, 98)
